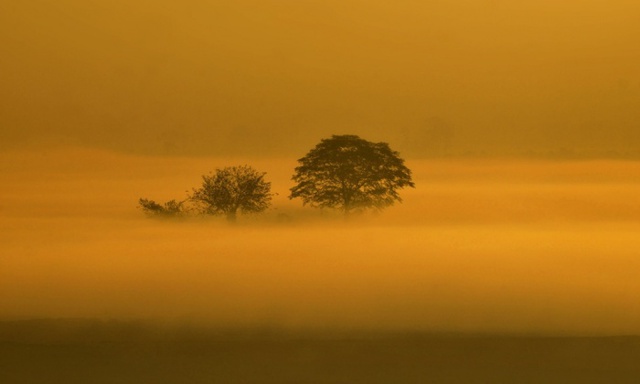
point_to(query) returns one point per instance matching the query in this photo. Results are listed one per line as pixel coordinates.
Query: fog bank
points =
(496, 245)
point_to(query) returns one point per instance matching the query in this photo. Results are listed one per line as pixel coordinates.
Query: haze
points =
(257, 78)
(515, 258)
(104, 102)
(479, 246)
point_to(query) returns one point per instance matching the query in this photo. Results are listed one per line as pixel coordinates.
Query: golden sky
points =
(268, 77)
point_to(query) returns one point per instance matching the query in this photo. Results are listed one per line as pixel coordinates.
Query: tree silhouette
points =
(230, 190)
(351, 174)
(171, 208)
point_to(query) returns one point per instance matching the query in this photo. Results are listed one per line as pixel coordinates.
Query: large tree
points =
(351, 174)
(230, 190)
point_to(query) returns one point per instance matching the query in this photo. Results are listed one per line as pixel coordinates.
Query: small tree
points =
(349, 173)
(230, 190)
(171, 208)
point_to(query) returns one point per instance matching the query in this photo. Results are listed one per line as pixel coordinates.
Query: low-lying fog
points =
(479, 245)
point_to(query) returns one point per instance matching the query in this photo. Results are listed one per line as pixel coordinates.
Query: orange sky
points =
(273, 77)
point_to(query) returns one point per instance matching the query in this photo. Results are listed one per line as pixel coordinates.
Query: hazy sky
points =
(225, 77)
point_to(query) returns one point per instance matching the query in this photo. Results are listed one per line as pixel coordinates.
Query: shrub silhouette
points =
(171, 208)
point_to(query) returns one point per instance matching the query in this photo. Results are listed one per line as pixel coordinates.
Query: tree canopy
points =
(230, 190)
(351, 174)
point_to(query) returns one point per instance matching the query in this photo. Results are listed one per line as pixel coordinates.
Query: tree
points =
(229, 190)
(171, 208)
(349, 173)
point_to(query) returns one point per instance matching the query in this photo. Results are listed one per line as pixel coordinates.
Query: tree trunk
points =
(346, 204)
(347, 211)
(231, 217)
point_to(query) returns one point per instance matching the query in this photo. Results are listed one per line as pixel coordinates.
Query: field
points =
(115, 352)
(492, 269)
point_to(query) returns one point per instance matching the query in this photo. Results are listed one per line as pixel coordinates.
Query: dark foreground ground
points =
(79, 351)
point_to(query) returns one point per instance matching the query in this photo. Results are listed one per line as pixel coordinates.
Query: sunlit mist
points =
(495, 245)
(469, 212)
